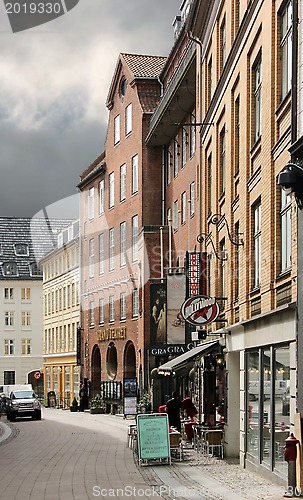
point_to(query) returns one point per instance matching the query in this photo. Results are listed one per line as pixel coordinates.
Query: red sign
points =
(37, 375)
(200, 310)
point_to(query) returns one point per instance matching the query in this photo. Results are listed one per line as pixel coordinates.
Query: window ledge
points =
(284, 274)
(255, 290)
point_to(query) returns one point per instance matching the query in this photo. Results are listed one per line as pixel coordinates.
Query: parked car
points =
(23, 403)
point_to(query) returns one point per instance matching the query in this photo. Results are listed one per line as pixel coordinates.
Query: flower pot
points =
(73, 408)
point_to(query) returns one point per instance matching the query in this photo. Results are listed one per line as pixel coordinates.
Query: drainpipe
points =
(294, 72)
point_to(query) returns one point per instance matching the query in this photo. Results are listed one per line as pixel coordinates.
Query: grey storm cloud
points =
(54, 83)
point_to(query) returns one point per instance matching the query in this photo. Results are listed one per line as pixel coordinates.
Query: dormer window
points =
(21, 249)
(34, 270)
(9, 269)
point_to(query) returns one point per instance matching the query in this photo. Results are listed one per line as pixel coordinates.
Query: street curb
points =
(6, 432)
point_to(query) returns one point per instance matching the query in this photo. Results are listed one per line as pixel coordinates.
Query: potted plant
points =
(144, 405)
(74, 405)
(96, 405)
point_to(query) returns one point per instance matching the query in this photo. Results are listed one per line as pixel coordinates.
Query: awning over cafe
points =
(181, 361)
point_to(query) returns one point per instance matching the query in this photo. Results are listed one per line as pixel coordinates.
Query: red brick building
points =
(121, 206)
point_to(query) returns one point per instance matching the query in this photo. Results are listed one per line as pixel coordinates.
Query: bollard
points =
(290, 455)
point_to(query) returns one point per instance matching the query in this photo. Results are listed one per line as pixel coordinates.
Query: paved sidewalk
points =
(197, 477)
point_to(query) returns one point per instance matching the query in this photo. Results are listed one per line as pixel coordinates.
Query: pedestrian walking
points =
(173, 407)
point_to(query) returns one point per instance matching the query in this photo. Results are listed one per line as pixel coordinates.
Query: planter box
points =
(74, 408)
(95, 411)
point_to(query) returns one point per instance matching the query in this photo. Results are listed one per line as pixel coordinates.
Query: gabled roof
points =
(144, 66)
(96, 168)
(37, 235)
(141, 67)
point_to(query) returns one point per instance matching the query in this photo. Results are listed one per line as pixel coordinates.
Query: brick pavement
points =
(78, 456)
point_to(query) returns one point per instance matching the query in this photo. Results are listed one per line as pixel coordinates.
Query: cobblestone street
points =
(81, 456)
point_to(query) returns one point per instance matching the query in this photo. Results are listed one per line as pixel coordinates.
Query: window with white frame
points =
(176, 156)
(91, 203)
(26, 347)
(183, 207)
(122, 182)
(169, 164)
(122, 305)
(175, 221)
(135, 231)
(111, 308)
(101, 311)
(101, 253)
(184, 145)
(34, 269)
(111, 189)
(21, 249)
(222, 160)
(135, 174)
(192, 198)
(222, 44)
(192, 134)
(122, 244)
(209, 89)
(25, 318)
(111, 249)
(257, 244)
(169, 219)
(135, 303)
(9, 318)
(101, 196)
(91, 313)
(10, 269)
(25, 293)
(286, 49)
(9, 347)
(117, 129)
(257, 87)
(8, 293)
(128, 119)
(285, 217)
(91, 258)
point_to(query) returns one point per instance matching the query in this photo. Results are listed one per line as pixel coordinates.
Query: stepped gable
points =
(37, 234)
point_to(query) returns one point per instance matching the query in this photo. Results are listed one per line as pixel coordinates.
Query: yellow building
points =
(61, 313)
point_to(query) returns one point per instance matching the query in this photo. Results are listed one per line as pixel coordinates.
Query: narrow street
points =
(81, 456)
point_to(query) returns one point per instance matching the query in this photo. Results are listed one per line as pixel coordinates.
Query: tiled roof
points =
(97, 163)
(39, 237)
(143, 66)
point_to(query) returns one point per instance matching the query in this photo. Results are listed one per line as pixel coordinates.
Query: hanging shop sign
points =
(200, 310)
(195, 273)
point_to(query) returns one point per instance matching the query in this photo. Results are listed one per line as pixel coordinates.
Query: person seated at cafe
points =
(173, 407)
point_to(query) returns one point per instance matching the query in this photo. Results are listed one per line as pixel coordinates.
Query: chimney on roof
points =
(177, 26)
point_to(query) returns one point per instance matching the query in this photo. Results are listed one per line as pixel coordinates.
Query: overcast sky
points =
(54, 83)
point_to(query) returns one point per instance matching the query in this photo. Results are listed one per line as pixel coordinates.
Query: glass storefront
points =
(268, 405)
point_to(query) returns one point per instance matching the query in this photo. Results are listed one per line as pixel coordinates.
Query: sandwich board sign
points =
(153, 437)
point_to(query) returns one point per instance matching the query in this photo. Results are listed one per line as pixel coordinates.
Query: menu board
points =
(153, 436)
(130, 406)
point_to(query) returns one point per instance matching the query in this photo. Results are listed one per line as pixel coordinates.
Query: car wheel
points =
(37, 415)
